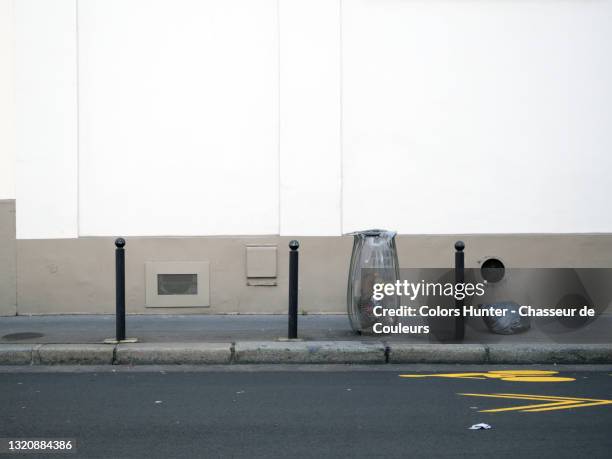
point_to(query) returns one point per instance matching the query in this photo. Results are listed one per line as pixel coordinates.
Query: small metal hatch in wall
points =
(177, 284)
(261, 265)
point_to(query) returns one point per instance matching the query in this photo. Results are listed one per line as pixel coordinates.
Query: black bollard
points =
(293, 289)
(120, 288)
(459, 279)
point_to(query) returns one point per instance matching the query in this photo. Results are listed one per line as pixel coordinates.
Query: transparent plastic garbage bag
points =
(509, 324)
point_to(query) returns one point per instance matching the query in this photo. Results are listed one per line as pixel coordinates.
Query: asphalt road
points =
(368, 413)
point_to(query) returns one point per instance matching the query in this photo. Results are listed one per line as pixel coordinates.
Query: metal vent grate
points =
(177, 284)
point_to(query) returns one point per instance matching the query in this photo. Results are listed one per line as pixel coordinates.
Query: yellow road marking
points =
(504, 375)
(540, 406)
(539, 379)
(525, 372)
(557, 403)
(547, 397)
(543, 398)
(578, 405)
(450, 375)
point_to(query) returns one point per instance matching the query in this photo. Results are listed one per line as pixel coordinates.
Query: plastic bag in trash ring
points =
(510, 323)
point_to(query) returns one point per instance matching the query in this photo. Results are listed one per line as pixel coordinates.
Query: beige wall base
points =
(8, 259)
(54, 276)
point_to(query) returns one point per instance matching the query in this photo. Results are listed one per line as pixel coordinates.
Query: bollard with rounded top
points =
(120, 295)
(459, 279)
(293, 289)
(120, 288)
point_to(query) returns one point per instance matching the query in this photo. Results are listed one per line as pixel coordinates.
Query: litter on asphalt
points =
(480, 426)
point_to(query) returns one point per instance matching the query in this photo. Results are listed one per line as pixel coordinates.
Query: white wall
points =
(477, 117)
(178, 117)
(7, 100)
(313, 117)
(46, 119)
(310, 154)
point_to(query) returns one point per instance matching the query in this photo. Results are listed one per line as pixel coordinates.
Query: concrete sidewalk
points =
(158, 328)
(208, 339)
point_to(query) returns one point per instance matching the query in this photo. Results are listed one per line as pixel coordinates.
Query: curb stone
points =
(16, 354)
(173, 353)
(73, 354)
(437, 353)
(309, 352)
(550, 353)
(303, 352)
